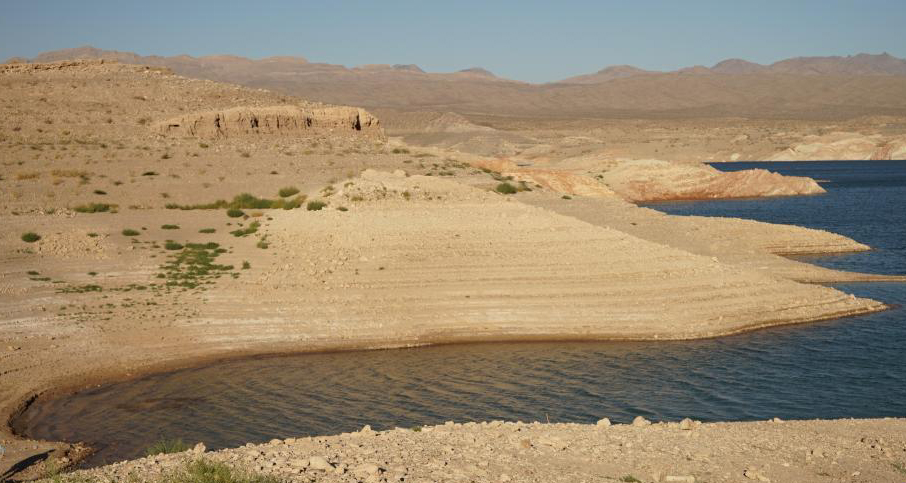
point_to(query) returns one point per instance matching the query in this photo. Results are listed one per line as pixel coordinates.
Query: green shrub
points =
(172, 245)
(130, 232)
(252, 228)
(235, 213)
(100, 192)
(167, 446)
(169, 227)
(30, 237)
(315, 205)
(288, 191)
(207, 230)
(246, 265)
(506, 189)
(263, 244)
(94, 208)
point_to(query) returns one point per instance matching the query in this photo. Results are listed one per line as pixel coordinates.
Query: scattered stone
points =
(640, 421)
(686, 424)
(603, 423)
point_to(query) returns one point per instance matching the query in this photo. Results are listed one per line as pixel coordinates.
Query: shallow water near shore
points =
(851, 367)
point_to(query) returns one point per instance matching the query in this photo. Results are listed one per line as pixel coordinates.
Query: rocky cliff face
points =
(273, 120)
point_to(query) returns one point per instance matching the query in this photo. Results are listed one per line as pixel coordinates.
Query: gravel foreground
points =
(687, 451)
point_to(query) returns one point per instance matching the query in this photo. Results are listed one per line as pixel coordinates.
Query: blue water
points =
(853, 367)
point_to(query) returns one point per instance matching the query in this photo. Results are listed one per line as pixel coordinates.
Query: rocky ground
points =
(681, 452)
(137, 267)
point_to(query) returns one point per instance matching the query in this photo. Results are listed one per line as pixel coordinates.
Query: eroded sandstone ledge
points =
(284, 120)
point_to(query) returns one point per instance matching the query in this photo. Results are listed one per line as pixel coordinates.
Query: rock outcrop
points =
(655, 180)
(557, 180)
(273, 120)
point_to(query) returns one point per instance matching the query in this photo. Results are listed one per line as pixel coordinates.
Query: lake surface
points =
(853, 367)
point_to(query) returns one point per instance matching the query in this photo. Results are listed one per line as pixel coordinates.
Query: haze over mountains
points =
(797, 88)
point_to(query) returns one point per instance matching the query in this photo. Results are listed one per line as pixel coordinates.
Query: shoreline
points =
(805, 451)
(113, 376)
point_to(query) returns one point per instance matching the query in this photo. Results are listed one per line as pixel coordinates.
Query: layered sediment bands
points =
(472, 265)
(655, 180)
(272, 120)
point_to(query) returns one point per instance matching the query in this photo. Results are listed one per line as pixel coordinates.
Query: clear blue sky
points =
(528, 40)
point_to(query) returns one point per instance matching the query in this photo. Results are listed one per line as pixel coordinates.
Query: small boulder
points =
(603, 423)
(319, 463)
(640, 421)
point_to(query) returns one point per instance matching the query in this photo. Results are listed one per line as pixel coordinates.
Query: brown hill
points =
(804, 88)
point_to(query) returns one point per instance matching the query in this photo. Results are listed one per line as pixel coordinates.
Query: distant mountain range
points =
(802, 87)
(854, 65)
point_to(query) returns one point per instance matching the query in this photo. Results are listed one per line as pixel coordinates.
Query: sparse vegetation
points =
(252, 228)
(169, 227)
(167, 446)
(30, 237)
(235, 213)
(244, 201)
(194, 266)
(288, 191)
(172, 245)
(315, 205)
(207, 230)
(204, 471)
(506, 189)
(130, 232)
(246, 265)
(95, 208)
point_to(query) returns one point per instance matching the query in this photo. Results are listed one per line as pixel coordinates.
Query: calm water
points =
(851, 367)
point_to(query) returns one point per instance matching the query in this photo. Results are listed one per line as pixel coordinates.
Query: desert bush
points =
(130, 232)
(207, 230)
(172, 245)
(288, 191)
(506, 189)
(235, 213)
(252, 228)
(315, 205)
(100, 192)
(167, 446)
(243, 201)
(30, 237)
(169, 227)
(94, 208)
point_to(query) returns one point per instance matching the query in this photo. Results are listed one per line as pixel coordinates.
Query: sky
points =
(534, 41)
